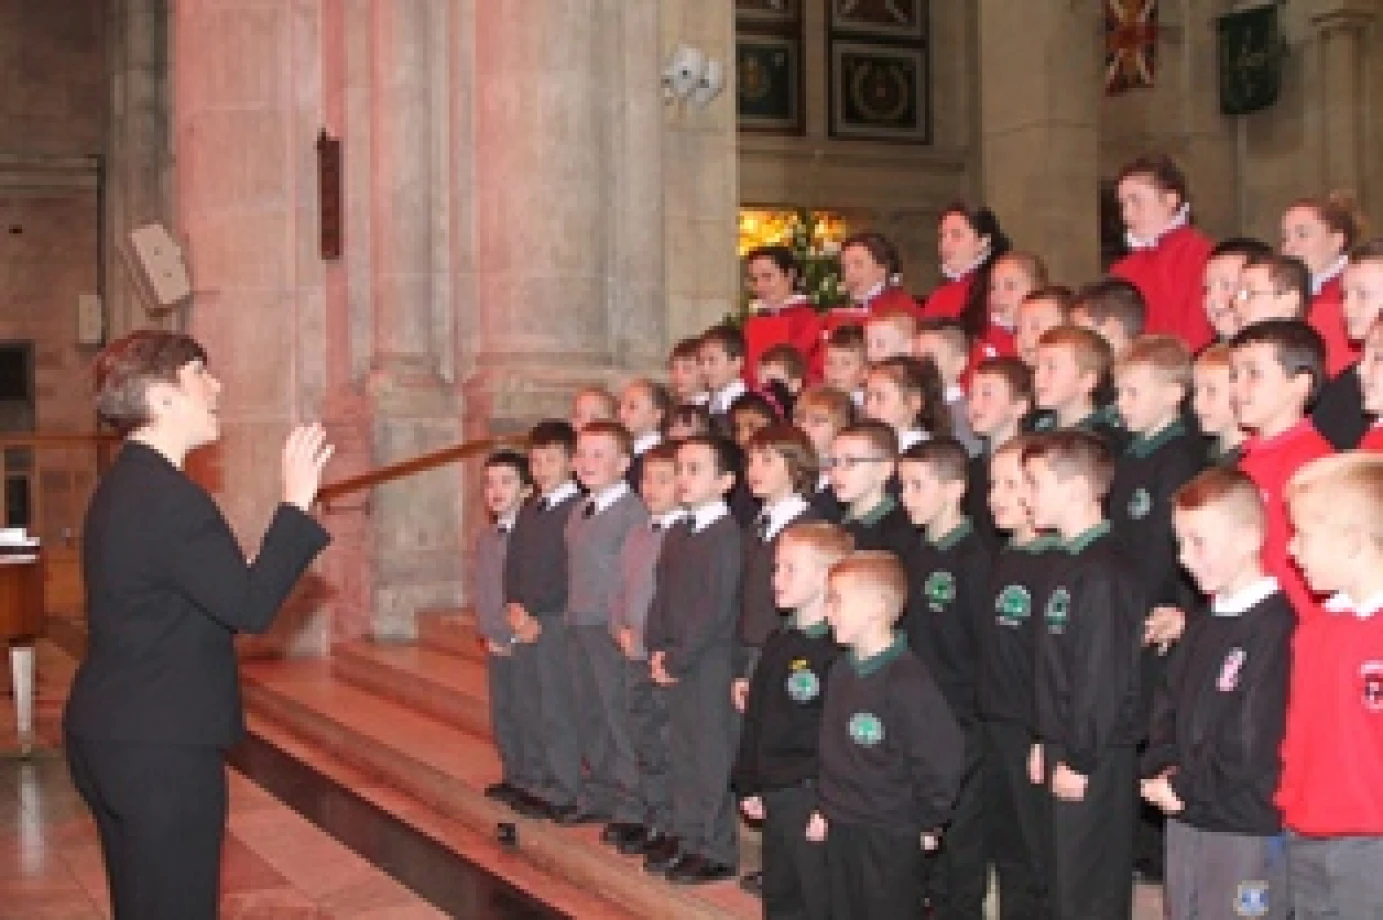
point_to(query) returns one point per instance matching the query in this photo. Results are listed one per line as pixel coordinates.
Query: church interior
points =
(428, 224)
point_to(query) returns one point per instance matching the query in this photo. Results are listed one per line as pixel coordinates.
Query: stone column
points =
(1339, 28)
(1040, 87)
(415, 520)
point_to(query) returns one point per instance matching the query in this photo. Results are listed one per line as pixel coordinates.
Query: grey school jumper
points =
(535, 575)
(596, 533)
(487, 587)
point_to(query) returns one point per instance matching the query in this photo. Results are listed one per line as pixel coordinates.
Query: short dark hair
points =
(756, 403)
(662, 452)
(1287, 273)
(730, 339)
(685, 349)
(1115, 299)
(723, 450)
(789, 357)
(1298, 348)
(1075, 452)
(949, 330)
(125, 368)
(879, 247)
(1059, 294)
(692, 414)
(947, 458)
(1014, 373)
(1368, 251)
(512, 459)
(553, 432)
(1162, 170)
(849, 336)
(879, 435)
(782, 257)
(1245, 247)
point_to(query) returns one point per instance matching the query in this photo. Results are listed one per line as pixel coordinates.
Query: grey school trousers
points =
(1336, 878)
(647, 712)
(597, 672)
(545, 718)
(1212, 874)
(501, 677)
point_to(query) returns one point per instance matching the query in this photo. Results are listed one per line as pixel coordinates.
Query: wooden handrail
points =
(57, 439)
(420, 464)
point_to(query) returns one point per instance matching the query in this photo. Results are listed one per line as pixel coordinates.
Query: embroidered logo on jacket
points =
(1014, 605)
(1229, 670)
(866, 729)
(1371, 689)
(1139, 504)
(803, 685)
(940, 590)
(1058, 610)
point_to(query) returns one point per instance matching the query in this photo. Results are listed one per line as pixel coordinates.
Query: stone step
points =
(447, 768)
(446, 687)
(452, 631)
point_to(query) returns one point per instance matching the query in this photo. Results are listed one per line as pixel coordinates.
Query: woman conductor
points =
(156, 701)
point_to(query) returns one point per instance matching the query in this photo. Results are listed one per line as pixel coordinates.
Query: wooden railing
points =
(466, 450)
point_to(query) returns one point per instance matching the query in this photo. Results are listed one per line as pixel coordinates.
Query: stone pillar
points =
(415, 520)
(1040, 88)
(138, 149)
(1340, 28)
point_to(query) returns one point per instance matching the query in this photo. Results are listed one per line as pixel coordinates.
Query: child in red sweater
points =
(1331, 791)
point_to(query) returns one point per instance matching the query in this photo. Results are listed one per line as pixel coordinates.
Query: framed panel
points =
(769, 12)
(768, 74)
(879, 92)
(892, 19)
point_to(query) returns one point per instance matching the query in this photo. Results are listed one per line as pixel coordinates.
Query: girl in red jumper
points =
(870, 272)
(1014, 276)
(1167, 255)
(1320, 232)
(781, 313)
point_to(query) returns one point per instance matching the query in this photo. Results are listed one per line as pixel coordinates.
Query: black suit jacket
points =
(167, 588)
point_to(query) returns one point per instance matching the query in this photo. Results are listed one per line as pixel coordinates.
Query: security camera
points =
(683, 71)
(710, 84)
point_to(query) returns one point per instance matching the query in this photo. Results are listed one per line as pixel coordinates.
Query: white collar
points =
(857, 397)
(722, 398)
(823, 482)
(870, 294)
(759, 308)
(1343, 603)
(1179, 220)
(700, 399)
(954, 394)
(1003, 322)
(506, 523)
(974, 264)
(907, 439)
(1245, 599)
(668, 518)
(646, 442)
(707, 515)
(560, 494)
(1330, 274)
(609, 495)
(781, 513)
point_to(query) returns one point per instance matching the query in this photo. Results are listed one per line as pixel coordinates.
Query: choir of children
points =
(1073, 552)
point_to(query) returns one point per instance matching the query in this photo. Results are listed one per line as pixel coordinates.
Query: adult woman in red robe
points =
(781, 313)
(870, 272)
(970, 243)
(1167, 255)
(1321, 232)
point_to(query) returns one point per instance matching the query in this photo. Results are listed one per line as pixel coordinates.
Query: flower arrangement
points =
(814, 238)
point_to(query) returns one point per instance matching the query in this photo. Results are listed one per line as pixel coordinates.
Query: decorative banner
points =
(898, 19)
(879, 92)
(750, 12)
(1250, 58)
(768, 81)
(1130, 42)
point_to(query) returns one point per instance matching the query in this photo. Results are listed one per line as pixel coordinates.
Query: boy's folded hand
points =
(1067, 784)
(1163, 627)
(739, 693)
(753, 808)
(816, 827)
(1036, 769)
(930, 841)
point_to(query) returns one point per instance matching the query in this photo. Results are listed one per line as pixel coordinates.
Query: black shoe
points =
(530, 806)
(753, 882)
(618, 832)
(574, 815)
(501, 792)
(658, 857)
(696, 869)
(640, 844)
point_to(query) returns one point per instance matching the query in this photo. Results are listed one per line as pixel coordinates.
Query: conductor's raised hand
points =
(305, 453)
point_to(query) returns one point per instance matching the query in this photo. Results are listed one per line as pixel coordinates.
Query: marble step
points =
(447, 768)
(451, 630)
(446, 687)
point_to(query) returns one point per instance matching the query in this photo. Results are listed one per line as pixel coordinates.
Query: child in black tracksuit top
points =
(1086, 681)
(862, 464)
(891, 753)
(775, 773)
(1015, 810)
(948, 592)
(1212, 764)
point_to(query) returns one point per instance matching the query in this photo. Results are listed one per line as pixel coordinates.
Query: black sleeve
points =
(513, 558)
(934, 745)
(1248, 748)
(1161, 752)
(744, 776)
(207, 566)
(1156, 549)
(1104, 661)
(1339, 411)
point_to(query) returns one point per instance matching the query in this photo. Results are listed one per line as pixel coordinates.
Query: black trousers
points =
(160, 813)
(959, 874)
(1090, 875)
(1016, 821)
(875, 874)
(795, 885)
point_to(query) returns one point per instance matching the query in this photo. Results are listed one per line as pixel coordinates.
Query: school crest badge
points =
(866, 729)
(1228, 680)
(1139, 504)
(1013, 605)
(940, 590)
(1371, 685)
(803, 685)
(1058, 610)
(1251, 899)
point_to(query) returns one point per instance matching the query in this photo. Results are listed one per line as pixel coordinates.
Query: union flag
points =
(1130, 44)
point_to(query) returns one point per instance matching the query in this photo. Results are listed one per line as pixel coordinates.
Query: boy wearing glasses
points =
(1272, 287)
(861, 462)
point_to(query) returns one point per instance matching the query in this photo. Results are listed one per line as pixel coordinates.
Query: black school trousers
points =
(160, 813)
(1090, 869)
(874, 874)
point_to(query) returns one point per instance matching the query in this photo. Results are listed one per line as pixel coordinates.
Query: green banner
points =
(1250, 57)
